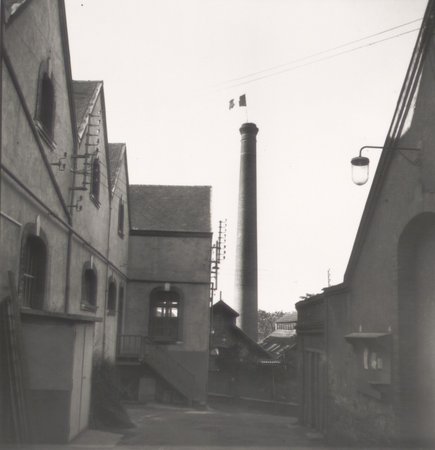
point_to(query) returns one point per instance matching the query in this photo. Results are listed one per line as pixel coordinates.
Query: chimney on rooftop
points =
(246, 296)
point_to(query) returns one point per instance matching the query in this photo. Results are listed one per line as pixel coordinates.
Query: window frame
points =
(165, 329)
(120, 309)
(45, 110)
(121, 217)
(87, 303)
(112, 293)
(95, 184)
(32, 294)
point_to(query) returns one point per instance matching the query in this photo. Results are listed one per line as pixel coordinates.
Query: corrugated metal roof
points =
(170, 208)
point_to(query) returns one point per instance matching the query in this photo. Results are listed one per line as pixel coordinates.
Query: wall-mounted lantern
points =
(360, 164)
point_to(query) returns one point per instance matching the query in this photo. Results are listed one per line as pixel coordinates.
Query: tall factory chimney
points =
(246, 254)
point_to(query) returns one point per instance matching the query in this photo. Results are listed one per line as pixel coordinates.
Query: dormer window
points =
(95, 181)
(45, 107)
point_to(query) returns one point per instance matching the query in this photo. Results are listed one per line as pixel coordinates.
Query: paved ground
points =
(170, 428)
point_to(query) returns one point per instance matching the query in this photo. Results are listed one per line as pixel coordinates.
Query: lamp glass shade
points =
(360, 170)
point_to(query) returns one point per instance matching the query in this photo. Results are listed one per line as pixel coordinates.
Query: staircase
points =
(137, 349)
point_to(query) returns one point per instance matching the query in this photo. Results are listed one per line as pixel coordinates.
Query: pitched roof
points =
(254, 346)
(412, 79)
(115, 162)
(84, 96)
(288, 317)
(222, 306)
(279, 342)
(170, 208)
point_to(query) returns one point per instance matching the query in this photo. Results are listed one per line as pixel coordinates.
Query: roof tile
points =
(170, 208)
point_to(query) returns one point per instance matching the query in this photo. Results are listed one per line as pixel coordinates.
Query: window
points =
(111, 298)
(164, 316)
(95, 181)
(46, 101)
(121, 218)
(89, 288)
(33, 272)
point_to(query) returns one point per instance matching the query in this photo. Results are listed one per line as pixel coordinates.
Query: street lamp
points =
(360, 164)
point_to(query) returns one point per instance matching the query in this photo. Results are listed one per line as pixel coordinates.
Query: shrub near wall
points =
(107, 411)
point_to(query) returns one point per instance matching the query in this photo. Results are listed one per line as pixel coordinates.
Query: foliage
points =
(266, 322)
(107, 411)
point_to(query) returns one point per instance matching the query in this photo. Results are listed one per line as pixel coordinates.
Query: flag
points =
(231, 106)
(242, 100)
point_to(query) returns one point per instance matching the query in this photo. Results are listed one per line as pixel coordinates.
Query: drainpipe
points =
(326, 374)
(1, 86)
(68, 272)
(107, 276)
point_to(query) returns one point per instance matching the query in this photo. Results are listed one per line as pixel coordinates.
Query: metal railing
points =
(130, 346)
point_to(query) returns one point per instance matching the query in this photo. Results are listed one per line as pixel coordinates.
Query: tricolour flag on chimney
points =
(242, 102)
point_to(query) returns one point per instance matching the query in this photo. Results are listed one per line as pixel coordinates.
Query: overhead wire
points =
(317, 53)
(320, 59)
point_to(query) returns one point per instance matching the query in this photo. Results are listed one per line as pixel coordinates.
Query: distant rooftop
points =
(170, 208)
(222, 306)
(289, 317)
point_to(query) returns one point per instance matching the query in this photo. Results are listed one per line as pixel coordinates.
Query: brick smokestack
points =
(246, 256)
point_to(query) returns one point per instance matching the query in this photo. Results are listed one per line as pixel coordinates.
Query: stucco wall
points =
(93, 219)
(194, 314)
(31, 38)
(169, 258)
(183, 262)
(407, 191)
(22, 209)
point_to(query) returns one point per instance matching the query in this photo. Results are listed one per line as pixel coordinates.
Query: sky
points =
(321, 78)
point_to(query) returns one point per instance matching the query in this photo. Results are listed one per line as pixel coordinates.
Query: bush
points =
(107, 411)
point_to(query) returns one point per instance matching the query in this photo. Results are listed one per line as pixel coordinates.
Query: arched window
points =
(111, 298)
(164, 323)
(121, 218)
(46, 100)
(95, 180)
(33, 271)
(89, 288)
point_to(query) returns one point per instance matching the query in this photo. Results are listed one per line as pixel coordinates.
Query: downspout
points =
(107, 275)
(68, 271)
(326, 374)
(1, 88)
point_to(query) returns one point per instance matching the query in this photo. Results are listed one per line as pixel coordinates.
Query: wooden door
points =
(81, 379)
